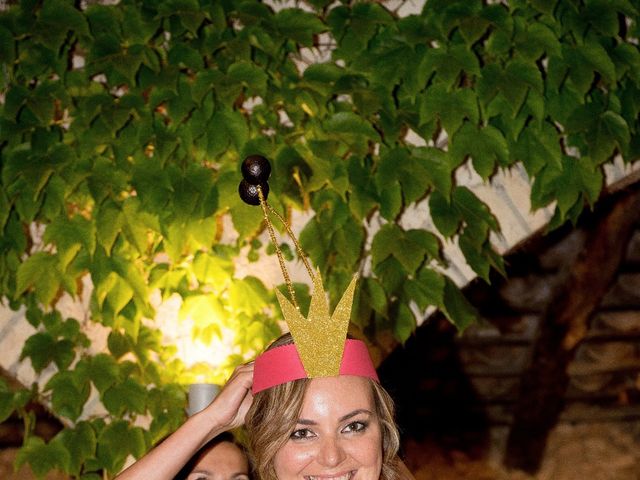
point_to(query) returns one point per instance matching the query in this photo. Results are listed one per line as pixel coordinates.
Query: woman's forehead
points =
(337, 396)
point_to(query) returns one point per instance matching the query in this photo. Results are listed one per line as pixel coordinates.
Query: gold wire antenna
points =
(254, 190)
(320, 337)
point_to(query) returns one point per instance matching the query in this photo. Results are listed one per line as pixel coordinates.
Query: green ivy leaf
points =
(390, 201)
(626, 59)
(57, 18)
(410, 247)
(444, 214)
(486, 146)
(248, 295)
(540, 39)
(69, 392)
(474, 256)
(103, 370)
(246, 219)
(364, 196)
(519, 77)
(236, 127)
(43, 457)
(597, 58)
(214, 270)
(577, 179)
(449, 64)
(7, 52)
(537, 147)
(185, 56)
(127, 396)
(405, 323)
(7, 406)
(202, 308)
(601, 16)
(116, 441)
(348, 123)
(39, 347)
(439, 167)
(118, 345)
(42, 348)
(109, 222)
(457, 308)
(544, 6)
(451, 107)
(152, 184)
(63, 353)
(251, 76)
(298, 25)
(370, 296)
(69, 235)
(80, 444)
(473, 210)
(611, 133)
(391, 273)
(166, 405)
(426, 289)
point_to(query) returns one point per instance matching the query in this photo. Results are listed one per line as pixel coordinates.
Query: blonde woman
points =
(337, 427)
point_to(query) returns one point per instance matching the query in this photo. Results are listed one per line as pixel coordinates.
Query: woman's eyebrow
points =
(304, 421)
(354, 413)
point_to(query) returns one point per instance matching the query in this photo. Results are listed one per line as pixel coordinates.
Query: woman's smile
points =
(344, 476)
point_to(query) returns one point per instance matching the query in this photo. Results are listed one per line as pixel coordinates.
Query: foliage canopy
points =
(121, 132)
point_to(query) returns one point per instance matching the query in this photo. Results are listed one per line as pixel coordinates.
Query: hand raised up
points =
(229, 408)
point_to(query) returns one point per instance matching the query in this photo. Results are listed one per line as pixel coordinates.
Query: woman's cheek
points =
(292, 458)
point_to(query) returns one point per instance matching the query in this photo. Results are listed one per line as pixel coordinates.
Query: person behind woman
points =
(220, 459)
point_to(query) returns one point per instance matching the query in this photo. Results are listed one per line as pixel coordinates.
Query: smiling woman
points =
(336, 428)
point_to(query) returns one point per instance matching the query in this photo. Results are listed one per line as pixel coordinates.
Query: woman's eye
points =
(355, 427)
(301, 434)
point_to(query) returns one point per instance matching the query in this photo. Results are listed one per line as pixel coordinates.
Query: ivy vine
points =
(121, 132)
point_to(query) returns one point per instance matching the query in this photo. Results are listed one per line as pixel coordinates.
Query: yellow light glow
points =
(204, 362)
(214, 353)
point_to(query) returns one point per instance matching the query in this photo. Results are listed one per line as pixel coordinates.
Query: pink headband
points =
(282, 364)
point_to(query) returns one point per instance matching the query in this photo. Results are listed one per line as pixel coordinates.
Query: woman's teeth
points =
(346, 476)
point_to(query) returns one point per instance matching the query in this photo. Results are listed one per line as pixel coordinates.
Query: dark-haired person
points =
(220, 459)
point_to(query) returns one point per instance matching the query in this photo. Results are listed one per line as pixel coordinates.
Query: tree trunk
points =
(564, 324)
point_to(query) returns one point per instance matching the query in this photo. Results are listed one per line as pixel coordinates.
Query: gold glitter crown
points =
(320, 337)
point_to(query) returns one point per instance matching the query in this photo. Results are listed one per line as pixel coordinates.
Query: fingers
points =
(243, 374)
(244, 408)
(231, 405)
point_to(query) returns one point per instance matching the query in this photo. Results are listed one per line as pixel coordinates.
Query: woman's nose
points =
(331, 452)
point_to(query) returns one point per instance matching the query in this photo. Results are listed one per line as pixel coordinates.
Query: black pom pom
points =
(249, 192)
(256, 169)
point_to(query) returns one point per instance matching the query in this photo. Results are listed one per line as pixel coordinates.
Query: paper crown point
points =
(320, 337)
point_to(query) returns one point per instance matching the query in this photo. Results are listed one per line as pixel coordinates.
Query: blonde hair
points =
(274, 413)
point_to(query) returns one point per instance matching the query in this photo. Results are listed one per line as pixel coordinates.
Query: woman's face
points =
(338, 435)
(224, 461)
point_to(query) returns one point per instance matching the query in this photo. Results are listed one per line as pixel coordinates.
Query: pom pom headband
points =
(319, 348)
